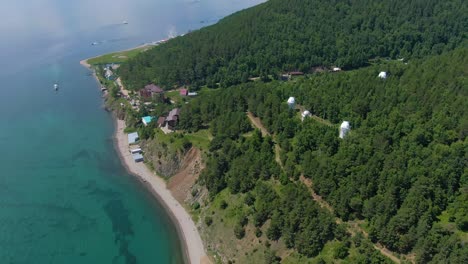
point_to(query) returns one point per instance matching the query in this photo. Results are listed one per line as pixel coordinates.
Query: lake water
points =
(64, 196)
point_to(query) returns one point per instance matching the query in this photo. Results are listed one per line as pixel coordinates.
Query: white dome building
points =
(344, 129)
(305, 114)
(383, 75)
(291, 102)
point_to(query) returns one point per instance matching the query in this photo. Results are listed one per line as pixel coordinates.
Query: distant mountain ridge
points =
(296, 35)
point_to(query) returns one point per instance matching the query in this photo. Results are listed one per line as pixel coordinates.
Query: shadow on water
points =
(122, 228)
(92, 189)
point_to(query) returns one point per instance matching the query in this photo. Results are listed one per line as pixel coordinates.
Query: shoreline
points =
(87, 65)
(191, 242)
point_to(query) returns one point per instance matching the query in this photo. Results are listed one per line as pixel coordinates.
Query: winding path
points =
(352, 227)
(258, 124)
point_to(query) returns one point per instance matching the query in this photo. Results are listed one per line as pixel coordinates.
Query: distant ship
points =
(56, 86)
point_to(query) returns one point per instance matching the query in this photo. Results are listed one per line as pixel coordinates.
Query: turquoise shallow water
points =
(64, 195)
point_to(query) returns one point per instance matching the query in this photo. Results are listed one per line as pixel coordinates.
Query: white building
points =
(383, 75)
(344, 129)
(305, 114)
(291, 102)
(136, 150)
(108, 73)
(133, 138)
(137, 157)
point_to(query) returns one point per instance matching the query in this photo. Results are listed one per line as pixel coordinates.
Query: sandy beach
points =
(194, 251)
(85, 63)
(193, 245)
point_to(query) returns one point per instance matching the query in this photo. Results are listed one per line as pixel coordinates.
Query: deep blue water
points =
(64, 196)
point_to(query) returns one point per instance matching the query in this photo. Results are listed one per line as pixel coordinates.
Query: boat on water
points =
(125, 22)
(56, 86)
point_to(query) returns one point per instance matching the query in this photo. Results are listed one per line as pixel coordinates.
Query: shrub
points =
(208, 220)
(223, 205)
(239, 231)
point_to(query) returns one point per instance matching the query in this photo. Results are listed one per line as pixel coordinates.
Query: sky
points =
(36, 30)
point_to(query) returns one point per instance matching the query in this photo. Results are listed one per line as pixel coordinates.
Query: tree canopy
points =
(401, 166)
(297, 35)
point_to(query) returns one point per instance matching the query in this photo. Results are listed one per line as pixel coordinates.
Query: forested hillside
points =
(402, 168)
(296, 35)
(400, 175)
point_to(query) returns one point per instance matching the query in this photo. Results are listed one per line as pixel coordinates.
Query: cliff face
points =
(166, 155)
(183, 183)
(162, 158)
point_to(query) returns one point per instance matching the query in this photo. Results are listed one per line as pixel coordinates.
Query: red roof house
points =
(183, 92)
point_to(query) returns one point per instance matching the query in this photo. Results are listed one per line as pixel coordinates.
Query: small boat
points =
(94, 43)
(56, 86)
(125, 22)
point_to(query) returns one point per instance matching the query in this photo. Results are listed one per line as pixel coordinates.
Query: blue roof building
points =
(137, 157)
(146, 120)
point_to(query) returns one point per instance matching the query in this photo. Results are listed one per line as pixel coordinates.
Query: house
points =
(183, 92)
(296, 73)
(108, 73)
(319, 69)
(133, 138)
(382, 75)
(285, 77)
(136, 150)
(172, 118)
(288, 76)
(151, 90)
(137, 157)
(146, 120)
(161, 121)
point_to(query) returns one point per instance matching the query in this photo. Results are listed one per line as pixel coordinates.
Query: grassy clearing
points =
(175, 96)
(451, 226)
(220, 234)
(221, 237)
(200, 139)
(173, 141)
(117, 57)
(327, 254)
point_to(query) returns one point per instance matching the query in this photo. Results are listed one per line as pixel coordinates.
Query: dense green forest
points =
(402, 170)
(402, 166)
(297, 35)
